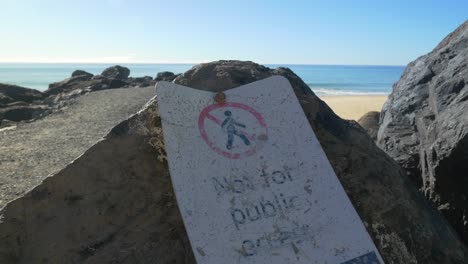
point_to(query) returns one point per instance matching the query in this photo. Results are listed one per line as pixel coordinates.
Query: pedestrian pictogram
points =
(232, 129)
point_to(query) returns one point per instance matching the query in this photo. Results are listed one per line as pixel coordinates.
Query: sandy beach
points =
(354, 106)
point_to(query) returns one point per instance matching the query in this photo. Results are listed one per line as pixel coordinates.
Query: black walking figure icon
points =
(231, 129)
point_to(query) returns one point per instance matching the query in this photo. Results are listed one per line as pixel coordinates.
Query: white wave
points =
(333, 92)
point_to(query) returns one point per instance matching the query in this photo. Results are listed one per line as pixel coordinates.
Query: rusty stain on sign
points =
(220, 98)
(252, 182)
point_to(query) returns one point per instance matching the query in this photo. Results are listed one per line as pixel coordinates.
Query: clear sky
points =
(370, 32)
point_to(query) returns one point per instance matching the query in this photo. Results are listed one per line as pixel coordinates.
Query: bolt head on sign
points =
(252, 182)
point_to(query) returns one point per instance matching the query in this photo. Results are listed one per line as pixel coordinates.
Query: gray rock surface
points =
(114, 203)
(424, 126)
(116, 72)
(32, 151)
(370, 122)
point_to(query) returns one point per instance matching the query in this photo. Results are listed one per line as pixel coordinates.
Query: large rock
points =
(11, 93)
(370, 122)
(114, 204)
(424, 126)
(72, 83)
(86, 81)
(20, 113)
(81, 73)
(111, 78)
(116, 72)
(37, 149)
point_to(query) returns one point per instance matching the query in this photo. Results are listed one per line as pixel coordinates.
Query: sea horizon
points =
(195, 63)
(323, 79)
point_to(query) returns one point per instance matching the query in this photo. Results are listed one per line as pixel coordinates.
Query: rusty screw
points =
(220, 98)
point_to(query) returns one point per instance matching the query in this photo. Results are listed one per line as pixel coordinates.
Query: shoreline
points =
(354, 107)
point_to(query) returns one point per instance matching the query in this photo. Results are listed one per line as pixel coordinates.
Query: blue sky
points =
(286, 32)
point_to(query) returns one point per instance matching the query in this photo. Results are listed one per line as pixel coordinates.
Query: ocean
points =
(324, 80)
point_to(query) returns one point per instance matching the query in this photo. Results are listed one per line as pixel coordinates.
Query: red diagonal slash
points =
(217, 121)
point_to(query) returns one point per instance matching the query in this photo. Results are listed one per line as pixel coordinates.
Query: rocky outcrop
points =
(81, 73)
(72, 83)
(165, 76)
(12, 93)
(114, 204)
(370, 122)
(19, 103)
(424, 126)
(17, 100)
(111, 78)
(30, 151)
(231, 74)
(116, 72)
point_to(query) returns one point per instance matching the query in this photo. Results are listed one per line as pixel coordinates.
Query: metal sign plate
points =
(252, 182)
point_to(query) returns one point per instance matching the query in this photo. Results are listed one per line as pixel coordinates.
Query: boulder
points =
(72, 83)
(165, 76)
(69, 127)
(424, 126)
(114, 203)
(21, 113)
(370, 122)
(116, 72)
(81, 73)
(11, 93)
(231, 74)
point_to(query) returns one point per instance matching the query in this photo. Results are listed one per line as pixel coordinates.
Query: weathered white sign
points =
(252, 182)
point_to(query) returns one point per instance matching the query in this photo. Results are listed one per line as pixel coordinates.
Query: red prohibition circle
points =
(205, 114)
